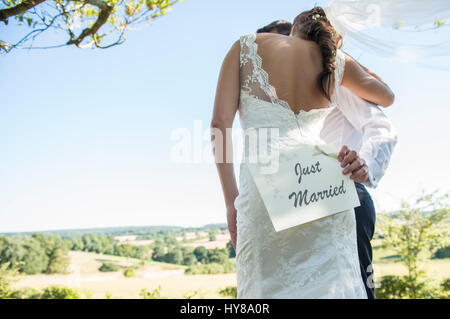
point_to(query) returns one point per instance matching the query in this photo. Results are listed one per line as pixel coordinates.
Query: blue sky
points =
(85, 135)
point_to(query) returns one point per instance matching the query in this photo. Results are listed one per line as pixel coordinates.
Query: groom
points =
(369, 139)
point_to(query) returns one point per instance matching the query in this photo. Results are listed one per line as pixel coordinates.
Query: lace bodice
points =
(261, 107)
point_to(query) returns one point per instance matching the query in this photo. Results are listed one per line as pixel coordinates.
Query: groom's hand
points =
(353, 164)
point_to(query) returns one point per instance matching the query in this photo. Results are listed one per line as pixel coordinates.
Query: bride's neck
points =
(299, 34)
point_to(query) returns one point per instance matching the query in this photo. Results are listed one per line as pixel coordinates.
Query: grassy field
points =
(222, 238)
(384, 264)
(436, 269)
(171, 278)
(85, 276)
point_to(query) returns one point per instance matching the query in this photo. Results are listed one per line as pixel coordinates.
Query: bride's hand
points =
(232, 227)
(354, 165)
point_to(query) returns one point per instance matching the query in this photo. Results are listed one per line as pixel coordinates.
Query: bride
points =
(288, 82)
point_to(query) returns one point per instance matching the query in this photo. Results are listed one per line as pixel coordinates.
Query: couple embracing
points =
(295, 77)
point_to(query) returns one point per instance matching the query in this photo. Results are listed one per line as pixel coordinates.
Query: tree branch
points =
(87, 36)
(105, 12)
(18, 9)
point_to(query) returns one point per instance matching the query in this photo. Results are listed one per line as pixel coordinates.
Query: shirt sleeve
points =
(379, 136)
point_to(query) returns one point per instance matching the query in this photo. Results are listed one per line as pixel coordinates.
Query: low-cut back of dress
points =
(314, 260)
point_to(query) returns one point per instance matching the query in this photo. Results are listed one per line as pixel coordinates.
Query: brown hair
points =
(278, 26)
(316, 27)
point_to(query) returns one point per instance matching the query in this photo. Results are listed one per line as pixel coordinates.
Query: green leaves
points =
(4, 46)
(97, 38)
(399, 24)
(132, 8)
(86, 23)
(439, 23)
(415, 233)
(158, 7)
(150, 4)
(7, 277)
(9, 3)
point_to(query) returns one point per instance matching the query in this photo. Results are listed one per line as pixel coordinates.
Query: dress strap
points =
(247, 44)
(256, 79)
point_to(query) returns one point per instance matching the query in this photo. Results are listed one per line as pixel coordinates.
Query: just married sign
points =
(307, 185)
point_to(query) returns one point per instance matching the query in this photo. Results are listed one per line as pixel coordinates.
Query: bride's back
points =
(293, 66)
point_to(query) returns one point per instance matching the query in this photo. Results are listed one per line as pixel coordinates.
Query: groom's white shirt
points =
(363, 127)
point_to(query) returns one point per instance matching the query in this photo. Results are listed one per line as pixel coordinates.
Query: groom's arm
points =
(379, 136)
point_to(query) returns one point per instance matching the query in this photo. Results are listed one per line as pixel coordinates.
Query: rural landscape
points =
(107, 112)
(411, 260)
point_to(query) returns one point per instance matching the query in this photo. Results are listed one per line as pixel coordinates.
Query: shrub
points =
(400, 287)
(129, 272)
(6, 277)
(414, 233)
(54, 292)
(204, 269)
(173, 256)
(230, 291)
(211, 269)
(201, 253)
(444, 289)
(189, 259)
(229, 267)
(391, 287)
(108, 267)
(212, 234)
(442, 253)
(217, 255)
(445, 285)
(155, 294)
(26, 293)
(192, 294)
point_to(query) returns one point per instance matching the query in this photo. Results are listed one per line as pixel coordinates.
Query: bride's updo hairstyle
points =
(315, 26)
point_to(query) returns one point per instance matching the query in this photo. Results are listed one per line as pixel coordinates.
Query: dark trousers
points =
(365, 227)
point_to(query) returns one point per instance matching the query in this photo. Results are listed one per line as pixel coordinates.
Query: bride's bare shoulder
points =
(271, 36)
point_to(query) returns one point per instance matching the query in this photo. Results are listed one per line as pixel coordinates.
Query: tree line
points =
(41, 253)
(35, 254)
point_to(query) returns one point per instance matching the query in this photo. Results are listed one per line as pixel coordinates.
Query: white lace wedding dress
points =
(314, 260)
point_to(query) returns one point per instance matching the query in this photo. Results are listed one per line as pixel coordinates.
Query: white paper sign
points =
(308, 185)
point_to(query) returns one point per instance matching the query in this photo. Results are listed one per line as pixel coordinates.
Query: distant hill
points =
(121, 231)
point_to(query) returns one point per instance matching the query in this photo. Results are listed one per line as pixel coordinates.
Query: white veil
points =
(407, 30)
